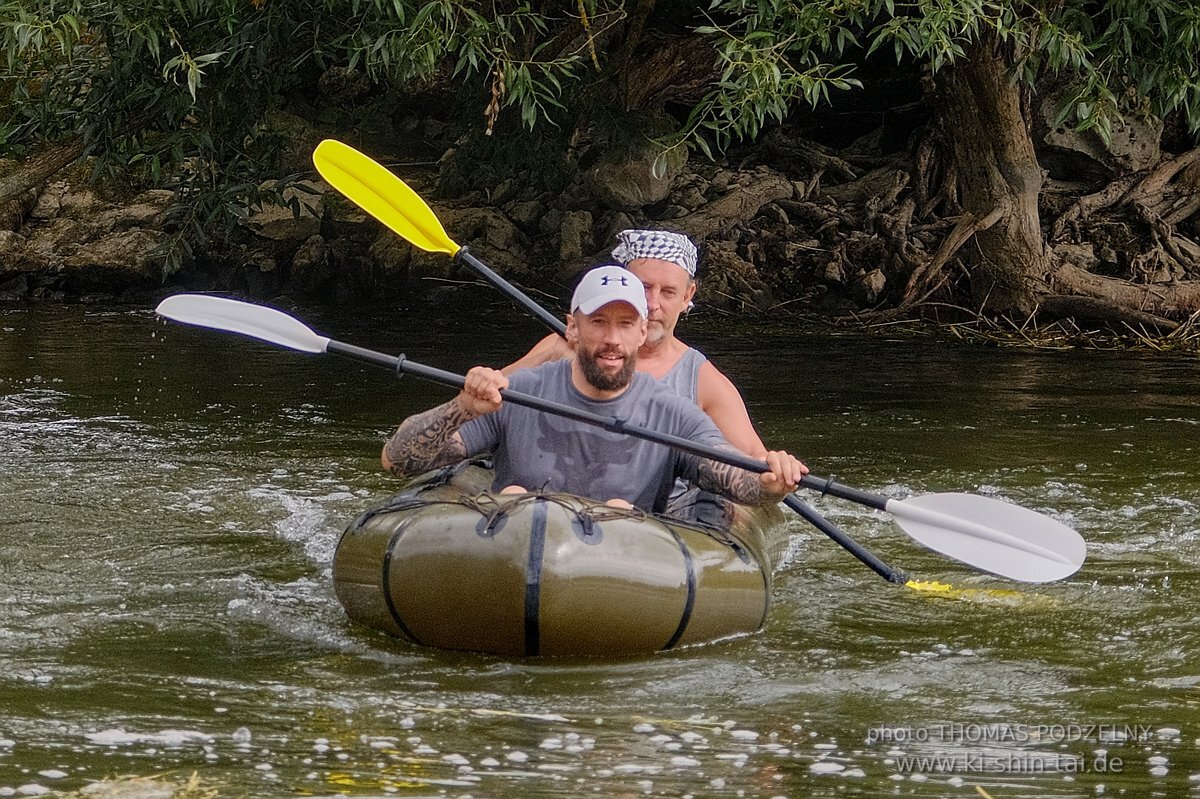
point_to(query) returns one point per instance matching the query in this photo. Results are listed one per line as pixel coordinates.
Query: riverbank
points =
(788, 229)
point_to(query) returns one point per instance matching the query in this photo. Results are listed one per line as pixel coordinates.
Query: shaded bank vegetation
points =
(1014, 164)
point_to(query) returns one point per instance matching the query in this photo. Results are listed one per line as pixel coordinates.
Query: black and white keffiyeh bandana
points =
(660, 244)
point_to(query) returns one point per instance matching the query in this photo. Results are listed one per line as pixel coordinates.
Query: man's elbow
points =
(392, 459)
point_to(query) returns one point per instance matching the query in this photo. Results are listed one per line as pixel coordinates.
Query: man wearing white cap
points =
(666, 263)
(538, 451)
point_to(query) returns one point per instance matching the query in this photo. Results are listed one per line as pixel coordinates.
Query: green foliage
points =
(174, 92)
(1122, 57)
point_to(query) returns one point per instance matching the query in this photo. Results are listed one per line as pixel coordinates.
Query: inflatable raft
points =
(448, 564)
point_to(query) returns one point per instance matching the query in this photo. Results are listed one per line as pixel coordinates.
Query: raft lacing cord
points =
(404, 501)
(492, 507)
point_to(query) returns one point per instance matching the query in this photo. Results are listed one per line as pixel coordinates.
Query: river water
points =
(170, 500)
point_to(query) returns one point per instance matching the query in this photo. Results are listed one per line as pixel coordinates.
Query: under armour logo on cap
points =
(606, 284)
(662, 245)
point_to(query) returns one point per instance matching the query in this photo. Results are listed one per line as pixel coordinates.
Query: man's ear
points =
(572, 334)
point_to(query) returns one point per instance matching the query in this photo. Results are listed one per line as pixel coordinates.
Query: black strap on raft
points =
(689, 564)
(586, 528)
(386, 585)
(533, 578)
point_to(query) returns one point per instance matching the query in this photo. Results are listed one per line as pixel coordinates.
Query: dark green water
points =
(170, 500)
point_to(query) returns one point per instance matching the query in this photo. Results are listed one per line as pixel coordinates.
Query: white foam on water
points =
(172, 739)
(307, 522)
(826, 767)
(113, 737)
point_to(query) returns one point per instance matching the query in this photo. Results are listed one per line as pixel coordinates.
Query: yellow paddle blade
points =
(1001, 595)
(381, 194)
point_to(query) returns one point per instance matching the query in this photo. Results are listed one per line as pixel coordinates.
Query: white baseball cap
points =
(606, 284)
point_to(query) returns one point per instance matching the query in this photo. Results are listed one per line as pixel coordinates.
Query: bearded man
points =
(606, 326)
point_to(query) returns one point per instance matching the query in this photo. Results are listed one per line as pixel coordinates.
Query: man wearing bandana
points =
(666, 263)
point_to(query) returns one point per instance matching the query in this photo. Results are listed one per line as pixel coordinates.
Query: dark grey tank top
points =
(684, 377)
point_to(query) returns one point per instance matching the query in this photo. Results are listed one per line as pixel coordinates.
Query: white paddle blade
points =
(234, 316)
(992, 535)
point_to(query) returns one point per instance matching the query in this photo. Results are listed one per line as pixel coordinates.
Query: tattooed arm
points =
(427, 440)
(750, 488)
(430, 439)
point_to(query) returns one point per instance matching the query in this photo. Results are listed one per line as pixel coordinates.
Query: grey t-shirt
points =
(544, 452)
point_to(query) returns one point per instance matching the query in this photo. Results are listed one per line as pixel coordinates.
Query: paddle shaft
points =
(514, 293)
(402, 366)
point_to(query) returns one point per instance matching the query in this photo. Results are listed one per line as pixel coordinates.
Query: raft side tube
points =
(445, 564)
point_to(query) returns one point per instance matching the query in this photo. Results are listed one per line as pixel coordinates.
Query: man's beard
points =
(600, 379)
(655, 332)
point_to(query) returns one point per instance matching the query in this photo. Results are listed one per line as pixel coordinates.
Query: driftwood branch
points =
(1062, 306)
(739, 204)
(1146, 187)
(968, 225)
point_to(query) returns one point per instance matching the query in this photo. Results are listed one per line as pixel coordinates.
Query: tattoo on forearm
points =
(426, 440)
(730, 481)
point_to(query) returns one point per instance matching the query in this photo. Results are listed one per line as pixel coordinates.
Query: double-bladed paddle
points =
(985, 533)
(374, 188)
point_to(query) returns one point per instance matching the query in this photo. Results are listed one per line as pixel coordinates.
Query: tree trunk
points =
(999, 178)
(39, 167)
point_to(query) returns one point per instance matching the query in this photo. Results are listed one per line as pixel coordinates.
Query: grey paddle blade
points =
(234, 316)
(992, 535)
